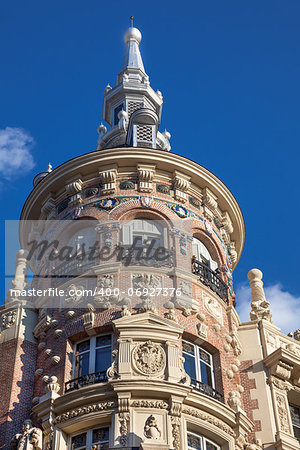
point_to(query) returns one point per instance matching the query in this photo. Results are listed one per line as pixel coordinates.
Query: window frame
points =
(293, 424)
(89, 437)
(92, 351)
(203, 440)
(197, 361)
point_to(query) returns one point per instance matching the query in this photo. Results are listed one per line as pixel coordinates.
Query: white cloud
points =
(15, 152)
(285, 307)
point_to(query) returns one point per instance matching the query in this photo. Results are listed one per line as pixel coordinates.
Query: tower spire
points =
(132, 58)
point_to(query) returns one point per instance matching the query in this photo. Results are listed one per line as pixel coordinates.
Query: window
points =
(93, 355)
(198, 442)
(295, 415)
(97, 439)
(198, 364)
(201, 253)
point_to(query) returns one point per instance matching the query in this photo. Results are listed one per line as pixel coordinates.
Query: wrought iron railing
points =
(207, 390)
(85, 380)
(70, 269)
(210, 278)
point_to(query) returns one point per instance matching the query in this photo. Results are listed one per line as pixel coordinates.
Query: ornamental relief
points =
(149, 359)
(8, 319)
(282, 413)
(213, 307)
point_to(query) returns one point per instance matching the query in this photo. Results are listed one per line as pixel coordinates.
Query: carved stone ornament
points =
(213, 307)
(124, 428)
(282, 413)
(112, 371)
(234, 400)
(260, 306)
(280, 384)
(8, 319)
(29, 439)
(256, 444)
(149, 359)
(175, 421)
(151, 429)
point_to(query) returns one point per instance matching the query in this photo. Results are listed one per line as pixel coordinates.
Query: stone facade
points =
(182, 371)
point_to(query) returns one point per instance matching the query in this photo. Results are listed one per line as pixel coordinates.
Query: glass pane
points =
(188, 348)
(295, 414)
(138, 240)
(82, 364)
(103, 340)
(194, 442)
(100, 435)
(297, 433)
(100, 446)
(210, 446)
(79, 441)
(189, 366)
(204, 356)
(103, 359)
(206, 375)
(83, 346)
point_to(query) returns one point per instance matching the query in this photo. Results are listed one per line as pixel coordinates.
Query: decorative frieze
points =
(78, 412)
(208, 418)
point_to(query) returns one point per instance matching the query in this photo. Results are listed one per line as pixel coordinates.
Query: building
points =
(156, 357)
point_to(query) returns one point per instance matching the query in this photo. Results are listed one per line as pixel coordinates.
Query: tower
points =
(134, 342)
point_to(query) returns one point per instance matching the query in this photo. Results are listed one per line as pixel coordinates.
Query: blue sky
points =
(229, 73)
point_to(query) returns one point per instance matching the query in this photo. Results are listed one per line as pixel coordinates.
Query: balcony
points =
(85, 380)
(209, 278)
(207, 390)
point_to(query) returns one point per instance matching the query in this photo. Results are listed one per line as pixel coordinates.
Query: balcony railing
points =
(85, 380)
(70, 269)
(209, 278)
(207, 390)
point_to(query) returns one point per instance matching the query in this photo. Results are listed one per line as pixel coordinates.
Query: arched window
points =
(142, 231)
(198, 442)
(201, 254)
(146, 241)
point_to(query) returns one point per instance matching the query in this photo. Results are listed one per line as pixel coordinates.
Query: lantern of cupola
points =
(132, 108)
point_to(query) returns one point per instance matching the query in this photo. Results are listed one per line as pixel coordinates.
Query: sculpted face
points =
(26, 425)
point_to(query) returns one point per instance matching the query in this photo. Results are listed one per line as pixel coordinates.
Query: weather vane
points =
(131, 18)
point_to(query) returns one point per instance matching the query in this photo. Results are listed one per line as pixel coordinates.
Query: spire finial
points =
(49, 168)
(131, 21)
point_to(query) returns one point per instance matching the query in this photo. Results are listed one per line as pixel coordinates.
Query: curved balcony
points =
(209, 278)
(207, 390)
(85, 380)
